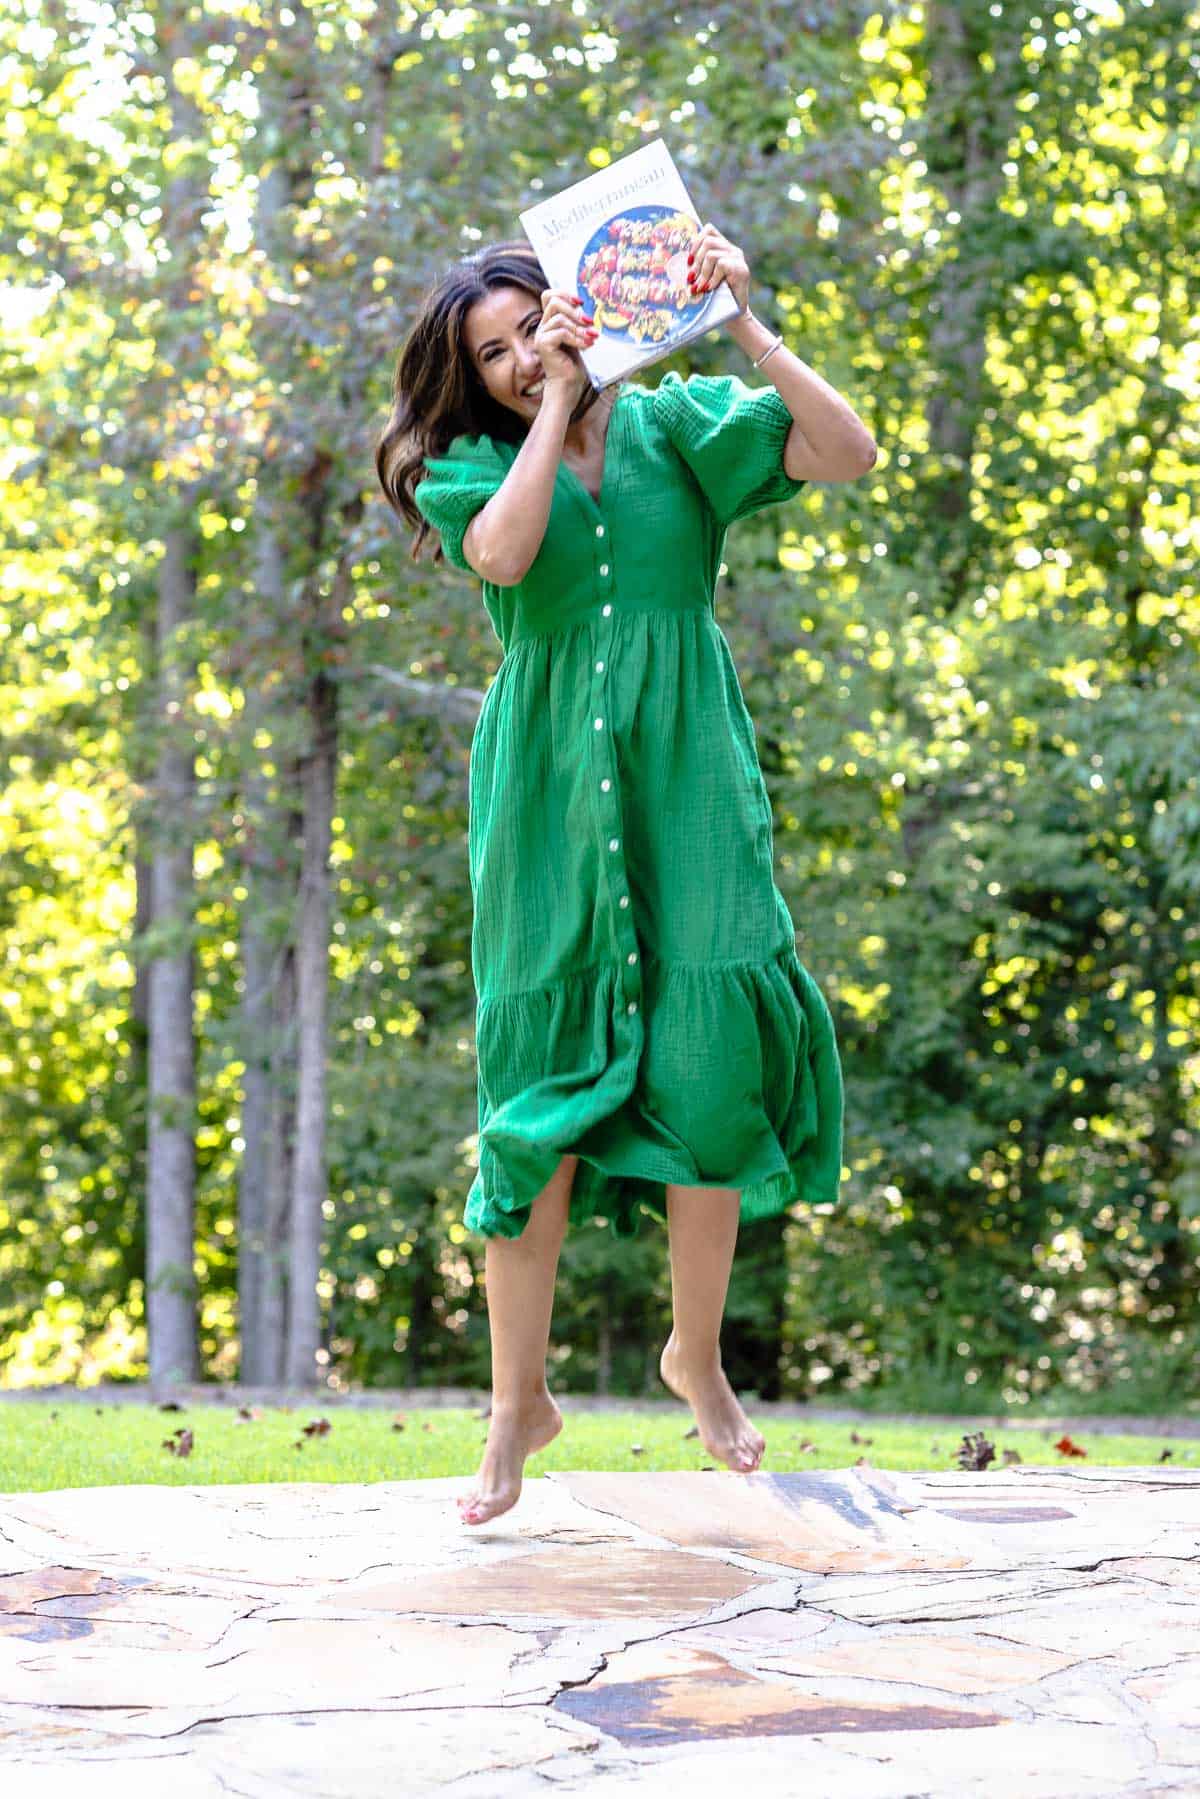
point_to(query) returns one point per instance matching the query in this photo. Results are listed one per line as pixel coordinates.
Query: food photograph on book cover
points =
(633, 275)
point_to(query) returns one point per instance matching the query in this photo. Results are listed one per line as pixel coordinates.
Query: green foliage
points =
(973, 672)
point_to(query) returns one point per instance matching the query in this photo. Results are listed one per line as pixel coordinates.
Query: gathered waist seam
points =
(606, 965)
(586, 617)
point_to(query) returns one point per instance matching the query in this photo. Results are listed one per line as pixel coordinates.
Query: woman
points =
(646, 1034)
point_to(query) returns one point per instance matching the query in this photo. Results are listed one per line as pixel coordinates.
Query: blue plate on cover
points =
(655, 236)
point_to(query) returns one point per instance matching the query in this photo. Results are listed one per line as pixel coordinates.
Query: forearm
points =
(829, 422)
(505, 535)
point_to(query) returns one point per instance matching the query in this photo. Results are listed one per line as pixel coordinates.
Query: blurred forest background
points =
(237, 1092)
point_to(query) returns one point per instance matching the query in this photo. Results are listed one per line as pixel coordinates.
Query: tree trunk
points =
(604, 1353)
(312, 1009)
(267, 1024)
(970, 118)
(142, 766)
(256, 1120)
(171, 1056)
(171, 1162)
(281, 1139)
(274, 820)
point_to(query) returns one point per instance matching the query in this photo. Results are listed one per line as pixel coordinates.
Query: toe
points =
(750, 1453)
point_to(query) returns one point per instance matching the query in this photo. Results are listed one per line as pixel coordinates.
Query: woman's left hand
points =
(713, 259)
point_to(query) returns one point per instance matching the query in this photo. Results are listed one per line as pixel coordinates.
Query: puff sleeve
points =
(456, 486)
(731, 437)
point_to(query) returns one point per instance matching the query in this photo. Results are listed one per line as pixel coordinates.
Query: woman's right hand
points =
(562, 333)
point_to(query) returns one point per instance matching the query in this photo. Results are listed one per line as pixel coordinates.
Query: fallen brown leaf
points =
(975, 1452)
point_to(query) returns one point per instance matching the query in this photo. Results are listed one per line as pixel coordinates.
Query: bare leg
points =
(520, 1273)
(702, 1225)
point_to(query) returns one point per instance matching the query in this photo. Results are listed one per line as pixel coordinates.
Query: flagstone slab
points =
(331, 1755)
(948, 1664)
(1017, 1630)
(665, 1692)
(791, 1520)
(566, 1582)
(261, 1667)
(901, 1520)
(1174, 1692)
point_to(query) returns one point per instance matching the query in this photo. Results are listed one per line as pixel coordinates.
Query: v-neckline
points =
(595, 501)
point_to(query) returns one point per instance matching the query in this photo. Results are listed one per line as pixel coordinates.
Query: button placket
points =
(610, 803)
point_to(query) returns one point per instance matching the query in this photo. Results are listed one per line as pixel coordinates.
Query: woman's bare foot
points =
(514, 1432)
(725, 1430)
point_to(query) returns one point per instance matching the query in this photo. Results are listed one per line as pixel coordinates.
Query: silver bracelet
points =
(769, 351)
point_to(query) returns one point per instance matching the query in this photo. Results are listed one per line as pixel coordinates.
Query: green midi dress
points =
(640, 1003)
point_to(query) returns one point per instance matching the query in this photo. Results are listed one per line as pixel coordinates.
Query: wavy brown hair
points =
(437, 392)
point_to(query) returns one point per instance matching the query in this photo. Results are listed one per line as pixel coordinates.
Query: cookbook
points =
(620, 240)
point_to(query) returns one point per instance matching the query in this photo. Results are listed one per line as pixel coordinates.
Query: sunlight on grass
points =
(75, 1444)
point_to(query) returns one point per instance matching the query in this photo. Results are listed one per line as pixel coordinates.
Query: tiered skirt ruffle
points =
(727, 1076)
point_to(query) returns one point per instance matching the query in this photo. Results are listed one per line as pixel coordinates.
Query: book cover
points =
(620, 240)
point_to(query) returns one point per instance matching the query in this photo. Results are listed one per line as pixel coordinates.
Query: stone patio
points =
(1031, 1631)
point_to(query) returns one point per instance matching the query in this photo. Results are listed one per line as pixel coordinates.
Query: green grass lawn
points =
(74, 1444)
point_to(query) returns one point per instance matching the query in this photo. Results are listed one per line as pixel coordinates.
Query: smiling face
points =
(499, 332)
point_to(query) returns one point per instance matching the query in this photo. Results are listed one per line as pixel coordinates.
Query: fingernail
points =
(691, 258)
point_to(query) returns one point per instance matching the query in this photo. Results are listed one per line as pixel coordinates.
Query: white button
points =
(605, 784)
(606, 610)
(624, 899)
(604, 568)
(599, 530)
(599, 668)
(599, 723)
(631, 957)
(614, 843)
(632, 1007)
